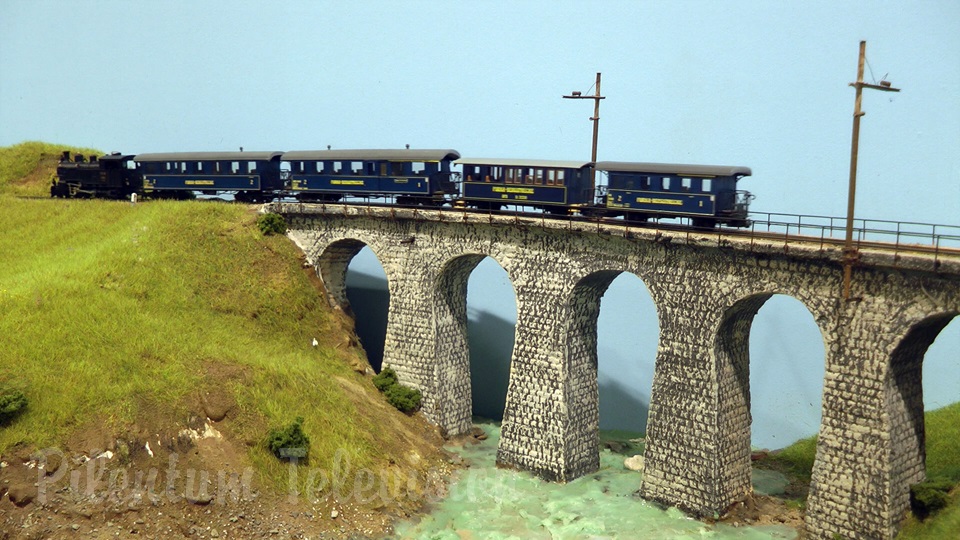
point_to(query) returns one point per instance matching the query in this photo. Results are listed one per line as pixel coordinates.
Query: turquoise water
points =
(489, 503)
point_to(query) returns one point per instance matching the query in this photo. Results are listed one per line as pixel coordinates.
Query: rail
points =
(899, 237)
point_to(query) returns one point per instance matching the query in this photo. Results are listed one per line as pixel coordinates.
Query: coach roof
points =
(391, 154)
(673, 168)
(532, 163)
(208, 156)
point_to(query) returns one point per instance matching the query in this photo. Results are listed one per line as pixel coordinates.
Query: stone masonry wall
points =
(707, 290)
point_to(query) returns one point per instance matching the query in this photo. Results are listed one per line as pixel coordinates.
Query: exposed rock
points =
(615, 446)
(216, 405)
(634, 463)
(51, 462)
(200, 499)
(22, 494)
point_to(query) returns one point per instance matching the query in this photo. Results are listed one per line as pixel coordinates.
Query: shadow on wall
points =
(491, 347)
(621, 408)
(369, 299)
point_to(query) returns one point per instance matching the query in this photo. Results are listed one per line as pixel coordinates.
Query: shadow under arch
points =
(732, 357)
(453, 406)
(332, 264)
(371, 295)
(905, 395)
(581, 364)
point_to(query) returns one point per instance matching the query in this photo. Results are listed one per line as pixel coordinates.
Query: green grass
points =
(943, 461)
(27, 168)
(115, 315)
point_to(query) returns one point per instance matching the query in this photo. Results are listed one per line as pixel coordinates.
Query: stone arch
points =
(331, 265)
(453, 404)
(580, 363)
(905, 405)
(732, 364)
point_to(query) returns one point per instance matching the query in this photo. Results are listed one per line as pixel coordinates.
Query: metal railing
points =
(898, 237)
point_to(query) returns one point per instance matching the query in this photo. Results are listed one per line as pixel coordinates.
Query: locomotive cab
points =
(112, 176)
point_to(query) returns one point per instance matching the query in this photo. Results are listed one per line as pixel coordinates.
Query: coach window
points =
(418, 167)
(551, 174)
(707, 184)
(685, 184)
(665, 183)
(396, 169)
(509, 175)
(561, 177)
(252, 166)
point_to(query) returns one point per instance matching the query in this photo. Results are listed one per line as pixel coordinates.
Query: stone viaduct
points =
(707, 289)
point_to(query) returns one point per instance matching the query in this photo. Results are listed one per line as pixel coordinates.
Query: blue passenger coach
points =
(706, 193)
(252, 176)
(412, 176)
(555, 186)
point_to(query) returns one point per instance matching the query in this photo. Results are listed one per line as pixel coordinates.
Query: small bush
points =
(12, 403)
(385, 379)
(403, 398)
(289, 442)
(272, 224)
(928, 497)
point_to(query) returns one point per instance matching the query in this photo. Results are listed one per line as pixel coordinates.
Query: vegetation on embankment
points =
(121, 320)
(943, 462)
(27, 168)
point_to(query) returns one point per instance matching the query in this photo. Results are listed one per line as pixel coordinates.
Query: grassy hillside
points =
(943, 461)
(26, 168)
(126, 321)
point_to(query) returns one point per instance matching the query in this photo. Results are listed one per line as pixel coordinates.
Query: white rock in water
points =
(634, 463)
(334, 514)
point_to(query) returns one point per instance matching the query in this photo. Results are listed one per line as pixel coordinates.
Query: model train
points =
(706, 194)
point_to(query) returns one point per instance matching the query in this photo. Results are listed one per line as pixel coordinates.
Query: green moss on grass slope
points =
(114, 314)
(26, 168)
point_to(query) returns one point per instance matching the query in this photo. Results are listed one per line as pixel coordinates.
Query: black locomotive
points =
(708, 195)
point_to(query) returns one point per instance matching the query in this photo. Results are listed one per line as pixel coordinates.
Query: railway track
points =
(791, 229)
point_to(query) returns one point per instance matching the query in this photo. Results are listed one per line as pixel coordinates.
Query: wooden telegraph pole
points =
(850, 253)
(596, 114)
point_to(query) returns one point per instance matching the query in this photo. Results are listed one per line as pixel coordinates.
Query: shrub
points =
(928, 497)
(289, 442)
(272, 224)
(404, 398)
(12, 403)
(385, 379)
